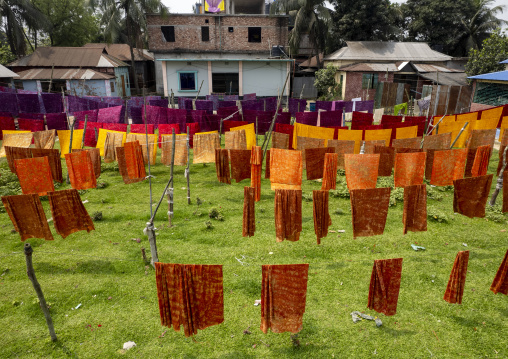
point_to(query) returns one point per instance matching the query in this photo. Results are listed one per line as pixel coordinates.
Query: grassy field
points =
(103, 271)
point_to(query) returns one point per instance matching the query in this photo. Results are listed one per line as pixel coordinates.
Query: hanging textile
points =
(500, 283)
(267, 165)
(222, 165)
(406, 132)
(249, 214)
(352, 135)
(240, 164)
(205, 145)
(414, 216)
(386, 160)
(330, 171)
(90, 135)
(505, 193)
(64, 137)
(134, 161)
(311, 131)
(481, 161)
(385, 285)
(288, 214)
(45, 139)
(81, 170)
(95, 156)
(369, 208)
(256, 161)
(283, 297)
(400, 107)
(455, 287)
(437, 142)
(414, 143)
(287, 129)
(113, 140)
(214, 6)
(55, 163)
(322, 219)
(409, 169)
(315, 160)
(341, 148)
(15, 139)
(370, 145)
(34, 175)
(482, 138)
(122, 164)
(286, 169)
(27, 216)
(447, 166)
(101, 140)
(16, 153)
(280, 140)
(235, 140)
(471, 194)
(361, 171)
(504, 143)
(69, 213)
(250, 134)
(180, 149)
(372, 135)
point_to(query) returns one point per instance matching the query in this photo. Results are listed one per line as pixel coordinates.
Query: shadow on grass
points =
(249, 287)
(235, 355)
(397, 333)
(91, 266)
(60, 346)
(464, 321)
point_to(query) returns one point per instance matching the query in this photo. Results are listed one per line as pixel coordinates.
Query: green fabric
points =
(397, 108)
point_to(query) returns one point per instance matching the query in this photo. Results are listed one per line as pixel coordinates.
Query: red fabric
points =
(386, 160)
(288, 129)
(6, 123)
(390, 119)
(134, 160)
(288, 214)
(227, 125)
(322, 219)
(414, 216)
(240, 164)
(190, 295)
(256, 161)
(193, 128)
(500, 283)
(140, 128)
(283, 297)
(369, 208)
(81, 170)
(249, 214)
(336, 130)
(54, 159)
(385, 285)
(90, 140)
(361, 171)
(167, 129)
(471, 194)
(481, 161)
(360, 119)
(409, 169)
(222, 165)
(419, 121)
(330, 171)
(69, 213)
(447, 166)
(455, 287)
(120, 127)
(34, 175)
(30, 125)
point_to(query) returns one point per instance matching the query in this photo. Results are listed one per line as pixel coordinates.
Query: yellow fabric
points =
(406, 132)
(504, 125)
(15, 139)
(446, 120)
(205, 133)
(492, 114)
(250, 134)
(102, 138)
(485, 124)
(131, 137)
(455, 128)
(64, 137)
(352, 135)
(311, 131)
(470, 116)
(373, 135)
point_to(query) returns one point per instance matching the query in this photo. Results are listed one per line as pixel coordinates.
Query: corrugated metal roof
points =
(387, 51)
(504, 62)
(422, 68)
(312, 62)
(370, 67)
(493, 76)
(446, 78)
(122, 51)
(5, 72)
(64, 74)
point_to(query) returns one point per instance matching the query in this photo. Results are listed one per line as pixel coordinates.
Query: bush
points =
(494, 213)
(341, 191)
(97, 216)
(396, 195)
(216, 214)
(208, 225)
(436, 215)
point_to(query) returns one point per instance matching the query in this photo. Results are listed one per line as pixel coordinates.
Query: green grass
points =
(104, 271)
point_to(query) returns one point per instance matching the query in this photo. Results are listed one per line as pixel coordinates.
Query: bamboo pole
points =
(256, 130)
(171, 189)
(148, 154)
(197, 95)
(51, 78)
(499, 184)
(172, 98)
(187, 169)
(70, 146)
(460, 133)
(84, 132)
(42, 301)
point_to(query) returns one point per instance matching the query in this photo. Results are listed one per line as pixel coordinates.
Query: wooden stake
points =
(70, 146)
(51, 78)
(170, 190)
(187, 169)
(42, 302)
(199, 90)
(150, 232)
(172, 99)
(84, 132)
(499, 184)
(148, 155)
(256, 130)
(143, 254)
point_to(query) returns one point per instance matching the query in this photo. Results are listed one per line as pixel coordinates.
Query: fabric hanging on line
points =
(81, 170)
(429, 162)
(288, 214)
(16, 153)
(400, 107)
(90, 135)
(103, 133)
(95, 155)
(205, 146)
(414, 216)
(454, 128)
(385, 285)
(280, 140)
(64, 137)
(315, 160)
(406, 132)
(165, 129)
(34, 175)
(286, 169)
(309, 142)
(134, 162)
(240, 164)
(113, 140)
(447, 166)
(500, 283)
(122, 165)
(312, 132)
(69, 213)
(369, 208)
(152, 145)
(322, 219)
(256, 161)
(437, 142)
(386, 160)
(361, 171)
(330, 171)
(283, 297)
(287, 129)
(55, 163)
(352, 135)
(414, 143)
(267, 164)
(370, 145)
(16, 139)
(45, 139)
(222, 165)
(481, 161)
(180, 149)
(190, 295)
(27, 216)
(341, 148)
(482, 138)
(455, 287)
(235, 140)
(407, 150)
(471, 194)
(409, 169)
(250, 134)
(471, 154)
(372, 135)
(249, 214)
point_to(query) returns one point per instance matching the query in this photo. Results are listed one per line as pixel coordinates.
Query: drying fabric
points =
(286, 169)
(101, 140)
(113, 140)
(307, 118)
(407, 150)
(450, 119)
(492, 114)
(429, 163)
(315, 160)
(152, 145)
(311, 131)
(180, 149)
(140, 128)
(81, 170)
(391, 119)
(309, 142)
(500, 283)
(330, 118)
(384, 285)
(288, 129)
(6, 123)
(193, 129)
(110, 114)
(65, 138)
(502, 147)
(414, 216)
(485, 124)
(504, 126)
(190, 295)
(406, 132)
(468, 116)
(15, 139)
(371, 135)
(455, 287)
(134, 162)
(90, 135)
(249, 215)
(283, 297)
(205, 146)
(228, 124)
(330, 171)
(280, 140)
(222, 165)
(54, 161)
(342, 147)
(414, 143)
(235, 140)
(482, 138)
(361, 171)
(34, 175)
(455, 128)
(288, 214)
(437, 142)
(267, 165)
(481, 161)
(122, 165)
(370, 145)
(409, 169)
(471, 194)
(505, 193)
(44, 139)
(167, 129)
(95, 155)
(386, 160)
(322, 219)
(92, 115)
(400, 107)
(27, 216)
(120, 127)
(240, 164)
(30, 125)
(16, 153)
(352, 135)
(360, 119)
(256, 161)
(69, 213)
(369, 208)
(250, 135)
(448, 166)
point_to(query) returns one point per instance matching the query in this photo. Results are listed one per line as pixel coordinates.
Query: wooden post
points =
(499, 184)
(148, 156)
(42, 302)
(150, 232)
(187, 169)
(84, 132)
(199, 90)
(51, 78)
(301, 93)
(172, 99)
(170, 190)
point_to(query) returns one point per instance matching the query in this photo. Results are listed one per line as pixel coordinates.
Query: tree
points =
(125, 20)
(325, 83)
(494, 50)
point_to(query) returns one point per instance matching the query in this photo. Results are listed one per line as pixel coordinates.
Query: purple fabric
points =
(110, 115)
(223, 104)
(159, 103)
(179, 117)
(230, 97)
(136, 101)
(136, 115)
(150, 98)
(211, 123)
(330, 118)
(52, 102)
(27, 92)
(264, 119)
(227, 111)
(307, 118)
(74, 104)
(284, 118)
(181, 103)
(252, 105)
(57, 121)
(365, 106)
(213, 5)
(324, 105)
(270, 104)
(9, 103)
(348, 106)
(249, 97)
(154, 115)
(293, 105)
(5, 114)
(32, 116)
(92, 115)
(7, 89)
(29, 103)
(205, 105)
(41, 104)
(195, 116)
(215, 100)
(115, 101)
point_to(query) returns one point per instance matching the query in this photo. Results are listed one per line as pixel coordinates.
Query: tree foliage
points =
(325, 83)
(494, 50)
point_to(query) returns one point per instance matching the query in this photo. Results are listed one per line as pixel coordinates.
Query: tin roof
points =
(493, 76)
(370, 67)
(122, 51)
(64, 74)
(5, 72)
(446, 78)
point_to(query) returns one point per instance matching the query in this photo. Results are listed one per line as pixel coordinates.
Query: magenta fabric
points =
(92, 115)
(230, 97)
(140, 128)
(228, 111)
(30, 125)
(57, 121)
(307, 118)
(205, 105)
(90, 140)
(29, 103)
(6, 123)
(215, 100)
(32, 116)
(360, 119)
(211, 123)
(196, 116)
(296, 105)
(159, 102)
(249, 97)
(225, 103)
(330, 118)
(154, 115)
(365, 106)
(177, 116)
(264, 119)
(121, 127)
(283, 118)
(110, 115)
(136, 114)
(419, 121)
(193, 128)
(53, 102)
(112, 100)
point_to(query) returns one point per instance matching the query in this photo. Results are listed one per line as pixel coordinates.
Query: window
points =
(205, 33)
(369, 81)
(225, 83)
(112, 86)
(187, 80)
(230, 29)
(169, 33)
(254, 34)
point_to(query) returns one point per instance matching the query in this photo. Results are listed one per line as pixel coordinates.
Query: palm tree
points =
(311, 17)
(125, 20)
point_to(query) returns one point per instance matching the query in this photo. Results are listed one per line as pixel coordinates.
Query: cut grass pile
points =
(103, 271)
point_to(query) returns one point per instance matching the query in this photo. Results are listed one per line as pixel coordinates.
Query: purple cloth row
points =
(265, 118)
(105, 115)
(296, 105)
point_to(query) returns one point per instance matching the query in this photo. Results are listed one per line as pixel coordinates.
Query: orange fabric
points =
(240, 164)
(414, 216)
(330, 171)
(235, 140)
(315, 161)
(482, 138)
(256, 160)
(370, 146)
(352, 135)
(342, 147)
(361, 171)
(386, 134)
(455, 287)
(54, 161)
(288, 214)
(16, 153)
(205, 145)
(222, 165)
(34, 175)
(385, 285)
(438, 142)
(249, 214)
(280, 140)
(470, 195)
(95, 155)
(152, 146)
(481, 161)
(134, 160)
(122, 165)
(69, 213)
(414, 143)
(80, 169)
(386, 160)
(500, 283)
(322, 219)
(406, 132)
(447, 166)
(369, 208)
(409, 169)
(286, 167)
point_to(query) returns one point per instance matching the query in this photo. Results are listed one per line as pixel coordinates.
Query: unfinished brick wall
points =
(274, 31)
(354, 85)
